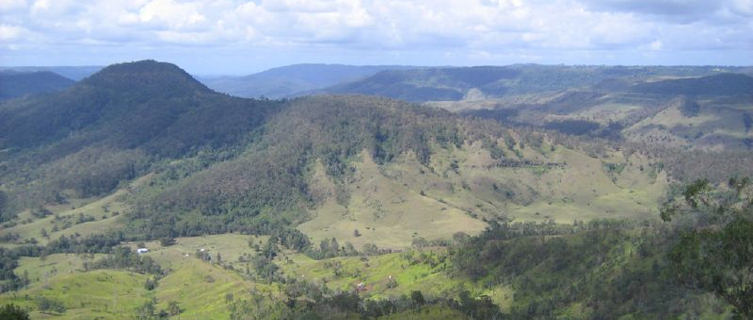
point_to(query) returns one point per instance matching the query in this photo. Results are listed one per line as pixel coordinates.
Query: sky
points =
(242, 37)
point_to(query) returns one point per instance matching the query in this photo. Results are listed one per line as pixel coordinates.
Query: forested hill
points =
(112, 126)
(148, 77)
(156, 106)
(16, 84)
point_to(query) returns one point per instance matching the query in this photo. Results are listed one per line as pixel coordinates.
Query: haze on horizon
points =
(241, 37)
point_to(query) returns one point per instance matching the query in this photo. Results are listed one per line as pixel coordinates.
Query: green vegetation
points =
(345, 207)
(717, 255)
(13, 312)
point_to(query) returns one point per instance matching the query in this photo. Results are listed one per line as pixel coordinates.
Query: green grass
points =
(392, 204)
(716, 120)
(230, 246)
(43, 269)
(426, 270)
(200, 288)
(103, 294)
(386, 212)
(105, 212)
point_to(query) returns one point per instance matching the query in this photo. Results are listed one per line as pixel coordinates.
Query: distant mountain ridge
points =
(718, 84)
(16, 84)
(292, 80)
(427, 83)
(75, 73)
(485, 82)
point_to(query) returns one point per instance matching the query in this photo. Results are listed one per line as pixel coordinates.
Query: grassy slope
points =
(386, 213)
(42, 270)
(230, 246)
(199, 288)
(392, 204)
(716, 120)
(107, 294)
(560, 193)
(105, 211)
(425, 270)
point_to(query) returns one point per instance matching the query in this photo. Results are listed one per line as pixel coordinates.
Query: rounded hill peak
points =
(146, 76)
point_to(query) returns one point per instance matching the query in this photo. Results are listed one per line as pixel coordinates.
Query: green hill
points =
(114, 125)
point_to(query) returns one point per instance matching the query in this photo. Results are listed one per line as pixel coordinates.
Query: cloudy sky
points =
(238, 37)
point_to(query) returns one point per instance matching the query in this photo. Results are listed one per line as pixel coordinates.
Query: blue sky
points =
(241, 37)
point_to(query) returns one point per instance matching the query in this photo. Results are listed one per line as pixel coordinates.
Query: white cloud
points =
(9, 5)
(8, 32)
(656, 45)
(172, 15)
(478, 29)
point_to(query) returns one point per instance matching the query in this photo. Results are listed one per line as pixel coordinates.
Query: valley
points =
(516, 192)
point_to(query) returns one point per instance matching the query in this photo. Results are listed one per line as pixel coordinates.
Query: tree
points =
(167, 241)
(173, 308)
(47, 304)
(146, 311)
(150, 284)
(717, 253)
(3, 201)
(13, 312)
(417, 298)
